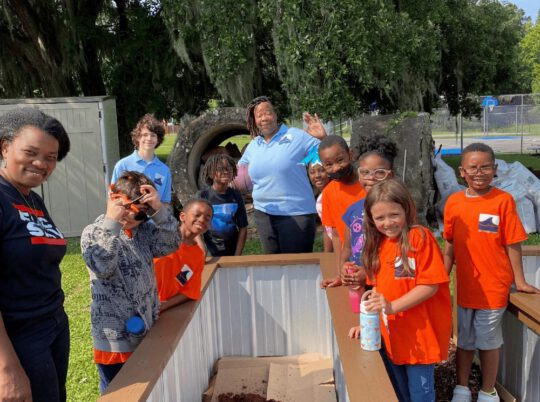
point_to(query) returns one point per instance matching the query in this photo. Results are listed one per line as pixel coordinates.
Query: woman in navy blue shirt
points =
(34, 332)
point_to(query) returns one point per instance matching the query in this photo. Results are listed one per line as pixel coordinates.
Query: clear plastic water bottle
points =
(370, 329)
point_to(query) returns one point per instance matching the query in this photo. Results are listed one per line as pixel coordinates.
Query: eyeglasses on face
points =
(224, 170)
(134, 206)
(377, 174)
(481, 169)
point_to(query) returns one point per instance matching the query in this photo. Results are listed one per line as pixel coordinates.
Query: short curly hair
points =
(129, 183)
(152, 124)
(379, 145)
(15, 120)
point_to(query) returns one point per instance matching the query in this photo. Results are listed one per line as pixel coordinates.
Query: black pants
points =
(285, 234)
(42, 346)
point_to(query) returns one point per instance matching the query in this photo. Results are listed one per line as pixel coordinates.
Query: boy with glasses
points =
(118, 249)
(228, 230)
(483, 236)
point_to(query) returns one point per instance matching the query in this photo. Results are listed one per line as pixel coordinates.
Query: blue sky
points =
(530, 7)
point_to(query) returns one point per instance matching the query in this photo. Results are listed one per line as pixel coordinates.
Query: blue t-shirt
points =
(354, 220)
(280, 182)
(229, 216)
(156, 171)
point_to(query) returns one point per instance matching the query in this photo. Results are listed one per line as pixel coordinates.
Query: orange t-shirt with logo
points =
(336, 198)
(479, 229)
(419, 335)
(180, 272)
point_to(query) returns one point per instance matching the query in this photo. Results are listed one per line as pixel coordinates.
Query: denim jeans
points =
(42, 346)
(412, 382)
(285, 234)
(106, 374)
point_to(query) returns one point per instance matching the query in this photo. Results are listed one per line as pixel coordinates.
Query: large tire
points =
(204, 133)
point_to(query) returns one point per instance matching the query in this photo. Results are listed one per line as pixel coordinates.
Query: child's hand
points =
(526, 288)
(150, 197)
(377, 302)
(353, 275)
(354, 333)
(331, 282)
(115, 210)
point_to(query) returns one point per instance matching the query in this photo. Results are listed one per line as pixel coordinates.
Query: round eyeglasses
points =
(377, 174)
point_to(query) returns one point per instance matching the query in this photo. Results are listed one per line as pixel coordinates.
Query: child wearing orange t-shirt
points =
(179, 274)
(483, 236)
(412, 292)
(342, 191)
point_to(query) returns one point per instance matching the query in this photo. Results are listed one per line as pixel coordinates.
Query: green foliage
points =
(222, 33)
(530, 53)
(480, 52)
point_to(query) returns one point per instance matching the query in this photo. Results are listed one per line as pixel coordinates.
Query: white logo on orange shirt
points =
(488, 223)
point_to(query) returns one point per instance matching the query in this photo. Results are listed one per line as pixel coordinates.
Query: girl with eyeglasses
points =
(375, 164)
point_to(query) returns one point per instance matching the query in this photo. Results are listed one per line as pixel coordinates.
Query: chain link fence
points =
(501, 115)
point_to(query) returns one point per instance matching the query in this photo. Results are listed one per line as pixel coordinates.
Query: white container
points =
(370, 329)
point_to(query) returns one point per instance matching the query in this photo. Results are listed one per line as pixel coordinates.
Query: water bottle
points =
(355, 293)
(370, 330)
(135, 325)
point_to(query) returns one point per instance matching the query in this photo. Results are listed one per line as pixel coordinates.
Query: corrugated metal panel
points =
(260, 311)
(519, 368)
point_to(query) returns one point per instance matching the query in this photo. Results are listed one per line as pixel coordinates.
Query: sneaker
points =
(485, 397)
(462, 394)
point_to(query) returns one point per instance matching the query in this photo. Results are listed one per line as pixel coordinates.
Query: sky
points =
(530, 7)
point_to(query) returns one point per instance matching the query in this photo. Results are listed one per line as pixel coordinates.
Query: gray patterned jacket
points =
(122, 277)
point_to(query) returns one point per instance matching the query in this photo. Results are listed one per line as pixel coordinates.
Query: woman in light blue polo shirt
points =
(282, 195)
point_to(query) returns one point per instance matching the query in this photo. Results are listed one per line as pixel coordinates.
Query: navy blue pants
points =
(285, 234)
(42, 346)
(106, 374)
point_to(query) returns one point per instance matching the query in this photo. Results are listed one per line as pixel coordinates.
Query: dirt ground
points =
(445, 377)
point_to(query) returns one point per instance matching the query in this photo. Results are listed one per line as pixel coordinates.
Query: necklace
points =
(33, 210)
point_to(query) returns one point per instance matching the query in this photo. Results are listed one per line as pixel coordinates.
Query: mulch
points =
(445, 377)
(230, 397)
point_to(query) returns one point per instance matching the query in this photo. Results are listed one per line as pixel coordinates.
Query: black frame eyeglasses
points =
(479, 170)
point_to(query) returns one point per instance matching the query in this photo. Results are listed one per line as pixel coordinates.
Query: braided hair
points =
(213, 163)
(250, 114)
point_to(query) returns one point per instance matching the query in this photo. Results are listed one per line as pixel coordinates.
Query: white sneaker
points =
(485, 397)
(462, 394)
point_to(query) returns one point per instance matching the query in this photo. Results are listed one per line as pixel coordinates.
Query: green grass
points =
(529, 161)
(82, 382)
(163, 151)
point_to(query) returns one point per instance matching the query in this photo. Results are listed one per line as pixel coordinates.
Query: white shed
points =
(76, 192)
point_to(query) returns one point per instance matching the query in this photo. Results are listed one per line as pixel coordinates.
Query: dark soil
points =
(445, 377)
(230, 397)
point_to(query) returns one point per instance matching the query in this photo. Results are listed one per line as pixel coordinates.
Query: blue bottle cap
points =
(135, 325)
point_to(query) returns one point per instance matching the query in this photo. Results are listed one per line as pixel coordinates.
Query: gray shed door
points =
(75, 194)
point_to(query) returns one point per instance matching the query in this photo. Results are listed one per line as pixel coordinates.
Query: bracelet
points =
(154, 214)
